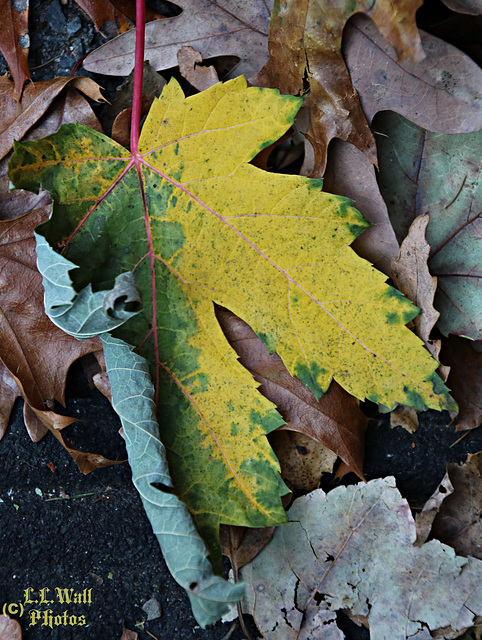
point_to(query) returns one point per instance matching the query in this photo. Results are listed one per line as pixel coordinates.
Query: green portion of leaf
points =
(353, 549)
(184, 551)
(424, 172)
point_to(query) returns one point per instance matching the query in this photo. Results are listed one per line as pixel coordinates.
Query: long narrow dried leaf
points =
(224, 27)
(15, 42)
(305, 49)
(195, 222)
(352, 549)
(422, 171)
(411, 276)
(441, 92)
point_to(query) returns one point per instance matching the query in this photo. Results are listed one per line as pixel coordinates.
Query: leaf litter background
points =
(408, 457)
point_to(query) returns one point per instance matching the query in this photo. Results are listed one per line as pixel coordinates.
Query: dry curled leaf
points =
(411, 276)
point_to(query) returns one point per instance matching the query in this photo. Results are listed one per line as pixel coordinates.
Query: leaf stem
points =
(138, 74)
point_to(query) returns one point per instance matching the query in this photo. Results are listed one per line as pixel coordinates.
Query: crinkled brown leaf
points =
(225, 27)
(465, 380)
(441, 93)
(14, 41)
(350, 173)
(335, 420)
(200, 77)
(9, 629)
(459, 521)
(424, 519)
(305, 42)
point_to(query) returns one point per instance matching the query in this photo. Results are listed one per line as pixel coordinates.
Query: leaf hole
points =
(193, 586)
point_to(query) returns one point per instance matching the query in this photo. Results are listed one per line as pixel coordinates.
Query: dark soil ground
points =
(61, 529)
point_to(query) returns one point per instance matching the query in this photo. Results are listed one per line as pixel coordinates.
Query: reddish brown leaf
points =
(465, 380)
(305, 41)
(9, 629)
(459, 521)
(440, 93)
(127, 634)
(350, 173)
(36, 352)
(200, 77)
(14, 41)
(335, 420)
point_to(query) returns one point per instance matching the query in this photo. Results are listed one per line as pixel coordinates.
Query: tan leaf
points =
(440, 93)
(200, 77)
(350, 173)
(335, 420)
(121, 128)
(459, 521)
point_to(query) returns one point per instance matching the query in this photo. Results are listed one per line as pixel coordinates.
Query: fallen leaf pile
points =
(246, 311)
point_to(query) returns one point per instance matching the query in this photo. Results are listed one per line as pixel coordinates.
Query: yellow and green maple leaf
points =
(198, 225)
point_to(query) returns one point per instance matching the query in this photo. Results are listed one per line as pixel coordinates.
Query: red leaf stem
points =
(138, 73)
